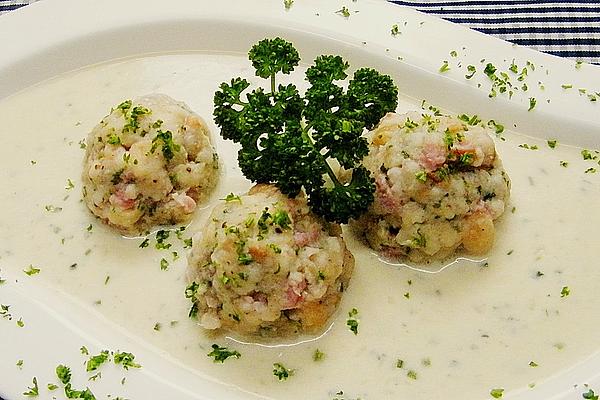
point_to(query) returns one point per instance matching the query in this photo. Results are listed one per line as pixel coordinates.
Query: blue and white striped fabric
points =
(567, 29)
(563, 28)
(10, 5)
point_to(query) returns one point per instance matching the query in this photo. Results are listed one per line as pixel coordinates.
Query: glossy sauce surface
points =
(459, 331)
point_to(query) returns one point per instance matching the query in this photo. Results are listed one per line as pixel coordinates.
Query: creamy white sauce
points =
(463, 330)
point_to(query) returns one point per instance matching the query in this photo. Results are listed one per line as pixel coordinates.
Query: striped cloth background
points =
(564, 28)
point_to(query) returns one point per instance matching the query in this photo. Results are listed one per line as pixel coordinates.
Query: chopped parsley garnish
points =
(419, 240)
(132, 116)
(244, 259)
(63, 373)
(161, 240)
(125, 359)
(70, 184)
(34, 390)
(343, 12)
(281, 372)
(565, 291)
(408, 124)
(444, 67)
(412, 374)
(144, 243)
(96, 361)
(52, 209)
(232, 197)
(84, 350)
(590, 170)
(587, 155)
(497, 393)
(590, 395)
(399, 363)
(318, 355)
(282, 219)
(20, 364)
(552, 143)
(564, 164)
(499, 128)
(566, 86)
(52, 386)
(20, 323)
(473, 120)
(191, 290)
(220, 354)
(113, 139)
(352, 321)
(529, 147)
(395, 30)
(578, 64)
(453, 53)
(533, 364)
(471, 69)
(287, 139)
(532, 103)
(116, 177)
(157, 326)
(164, 139)
(4, 312)
(288, 4)
(164, 264)
(31, 270)
(421, 176)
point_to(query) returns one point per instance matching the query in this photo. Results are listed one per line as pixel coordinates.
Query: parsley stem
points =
(308, 139)
(273, 83)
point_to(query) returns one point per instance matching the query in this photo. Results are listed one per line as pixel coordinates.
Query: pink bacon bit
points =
(120, 199)
(186, 202)
(432, 157)
(384, 195)
(296, 285)
(305, 238)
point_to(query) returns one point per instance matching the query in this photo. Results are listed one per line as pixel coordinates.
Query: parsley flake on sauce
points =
(96, 361)
(318, 355)
(590, 395)
(412, 374)
(565, 291)
(220, 354)
(164, 264)
(125, 359)
(552, 143)
(31, 270)
(281, 372)
(497, 393)
(352, 321)
(532, 103)
(444, 67)
(32, 391)
(471, 69)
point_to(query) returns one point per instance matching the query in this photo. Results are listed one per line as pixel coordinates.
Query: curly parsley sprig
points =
(290, 140)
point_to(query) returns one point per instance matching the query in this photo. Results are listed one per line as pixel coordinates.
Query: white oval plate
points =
(52, 37)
